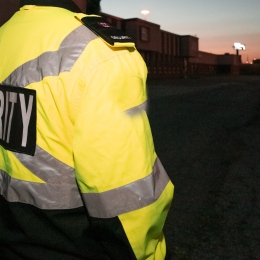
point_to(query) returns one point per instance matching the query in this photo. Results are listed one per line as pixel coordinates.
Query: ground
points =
(207, 135)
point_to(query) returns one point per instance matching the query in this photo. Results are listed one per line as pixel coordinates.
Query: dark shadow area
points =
(207, 135)
(7, 9)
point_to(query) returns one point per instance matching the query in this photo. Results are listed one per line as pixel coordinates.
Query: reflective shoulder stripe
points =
(128, 198)
(52, 63)
(60, 190)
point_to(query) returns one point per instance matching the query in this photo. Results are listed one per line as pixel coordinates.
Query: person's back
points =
(72, 146)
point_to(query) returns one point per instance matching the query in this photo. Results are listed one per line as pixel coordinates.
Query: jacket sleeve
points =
(117, 169)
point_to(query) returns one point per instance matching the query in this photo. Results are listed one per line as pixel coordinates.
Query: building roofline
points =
(112, 16)
(129, 19)
(142, 20)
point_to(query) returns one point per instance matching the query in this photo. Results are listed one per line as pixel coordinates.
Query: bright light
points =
(239, 46)
(145, 13)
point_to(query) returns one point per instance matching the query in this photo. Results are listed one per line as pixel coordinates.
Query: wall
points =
(205, 58)
(146, 35)
(189, 46)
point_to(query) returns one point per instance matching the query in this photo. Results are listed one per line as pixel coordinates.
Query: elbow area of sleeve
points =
(130, 197)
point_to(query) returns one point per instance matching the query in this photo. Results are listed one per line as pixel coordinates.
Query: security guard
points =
(79, 177)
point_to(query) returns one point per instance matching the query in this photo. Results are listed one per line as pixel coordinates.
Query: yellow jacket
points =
(93, 140)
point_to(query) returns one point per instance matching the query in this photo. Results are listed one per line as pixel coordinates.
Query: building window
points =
(144, 34)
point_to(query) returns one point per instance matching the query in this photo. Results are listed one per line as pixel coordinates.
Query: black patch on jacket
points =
(106, 31)
(18, 119)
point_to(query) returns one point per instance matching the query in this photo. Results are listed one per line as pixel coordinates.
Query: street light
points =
(239, 47)
(145, 13)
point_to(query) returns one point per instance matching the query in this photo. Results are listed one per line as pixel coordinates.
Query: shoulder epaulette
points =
(111, 35)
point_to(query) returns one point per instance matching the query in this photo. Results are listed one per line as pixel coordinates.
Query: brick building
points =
(171, 55)
(166, 54)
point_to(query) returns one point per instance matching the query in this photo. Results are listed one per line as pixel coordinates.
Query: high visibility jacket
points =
(79, 177)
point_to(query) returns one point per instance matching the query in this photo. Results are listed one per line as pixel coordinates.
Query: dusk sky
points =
(217, 24)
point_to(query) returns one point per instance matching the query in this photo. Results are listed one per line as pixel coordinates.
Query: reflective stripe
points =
(128, 198)
(59, 192)
(52, 63)
(135, 110)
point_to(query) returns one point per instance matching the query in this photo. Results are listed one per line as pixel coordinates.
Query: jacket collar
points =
(67, 4)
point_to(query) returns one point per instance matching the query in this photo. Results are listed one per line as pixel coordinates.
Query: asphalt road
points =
(207, 135)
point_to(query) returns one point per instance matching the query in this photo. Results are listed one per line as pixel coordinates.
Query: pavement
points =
(207, 135)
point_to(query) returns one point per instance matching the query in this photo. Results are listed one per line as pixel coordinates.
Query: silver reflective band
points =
(128, 198)
(52, 63)
(60, 190)
(135, 110)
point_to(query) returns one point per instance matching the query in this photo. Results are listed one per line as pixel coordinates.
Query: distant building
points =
(170, 55)
(252, 68)
(256, 61)
(166, 54)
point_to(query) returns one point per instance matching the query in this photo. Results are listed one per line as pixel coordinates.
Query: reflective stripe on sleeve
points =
(60, 190)
(135, 110)
(130, 197)
(52, 63)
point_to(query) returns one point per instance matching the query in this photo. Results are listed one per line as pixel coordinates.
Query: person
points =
(79, 176)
